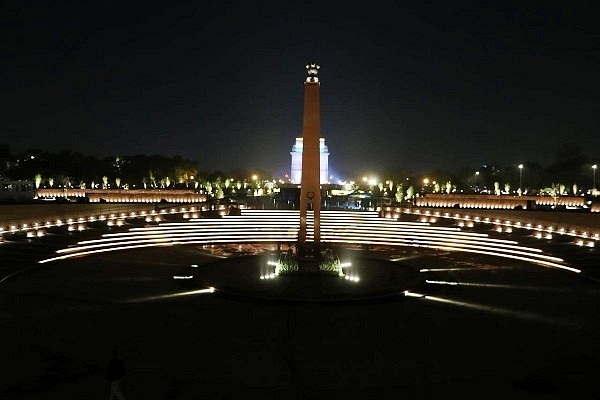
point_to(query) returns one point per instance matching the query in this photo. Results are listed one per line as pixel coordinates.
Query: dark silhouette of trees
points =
(75, 168)
(5, 159)
(570, 166)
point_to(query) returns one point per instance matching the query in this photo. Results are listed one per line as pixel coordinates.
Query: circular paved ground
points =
(499, 329)
(241, 277)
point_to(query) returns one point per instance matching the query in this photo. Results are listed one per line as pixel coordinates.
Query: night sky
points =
(404, 85)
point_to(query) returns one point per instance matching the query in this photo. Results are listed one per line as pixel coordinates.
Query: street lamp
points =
(594, 185)
(476, 175)
(520, 178)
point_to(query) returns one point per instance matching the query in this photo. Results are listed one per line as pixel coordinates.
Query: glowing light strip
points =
(527, 259)
(207, 231)
(240, 236)
(467, 250)
(85, 253)
(154, 241)
(426, 238)
(442, 282)
(278, 237)
(188, 239)
(325, 230)
(169, 296)
(448, 269)
(376, 223)
(497, 310)
(171, 236)
(522, 287)
(506, 249)
(442, 242)
(230, 240)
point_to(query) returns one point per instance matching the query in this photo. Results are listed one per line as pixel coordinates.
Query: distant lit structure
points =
(122, 195)
(296, 153)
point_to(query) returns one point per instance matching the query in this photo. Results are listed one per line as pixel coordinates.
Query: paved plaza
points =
(473, 326)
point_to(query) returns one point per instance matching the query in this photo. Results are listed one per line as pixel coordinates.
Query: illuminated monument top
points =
(312, 70)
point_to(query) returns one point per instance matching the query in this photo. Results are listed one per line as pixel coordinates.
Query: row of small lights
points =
(37, 229)
(507, 226)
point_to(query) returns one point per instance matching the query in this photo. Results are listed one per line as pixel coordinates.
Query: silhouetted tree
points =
(6, 158)
(568, 167)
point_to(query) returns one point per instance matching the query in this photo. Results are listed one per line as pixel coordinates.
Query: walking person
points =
(115, 371)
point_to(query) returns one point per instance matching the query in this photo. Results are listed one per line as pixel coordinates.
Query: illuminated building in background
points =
(296, 153)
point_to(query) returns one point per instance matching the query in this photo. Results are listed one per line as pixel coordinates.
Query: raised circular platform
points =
(367, 279)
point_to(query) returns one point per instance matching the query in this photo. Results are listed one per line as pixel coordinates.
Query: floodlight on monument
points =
(312, 70)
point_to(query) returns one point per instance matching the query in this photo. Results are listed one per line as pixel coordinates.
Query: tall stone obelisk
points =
(310, 188)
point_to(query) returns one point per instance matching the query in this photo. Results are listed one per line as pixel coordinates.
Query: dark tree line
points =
(570, 165)
(75, 168)
(132, 171)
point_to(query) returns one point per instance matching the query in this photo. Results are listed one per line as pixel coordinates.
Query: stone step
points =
(308, 266)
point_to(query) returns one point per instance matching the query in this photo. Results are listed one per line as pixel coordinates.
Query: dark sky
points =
(414, 85)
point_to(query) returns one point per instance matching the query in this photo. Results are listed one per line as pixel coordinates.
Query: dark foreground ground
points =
(506, 330)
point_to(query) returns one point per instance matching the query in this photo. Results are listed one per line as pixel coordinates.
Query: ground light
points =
(288, 264)
(172, 295)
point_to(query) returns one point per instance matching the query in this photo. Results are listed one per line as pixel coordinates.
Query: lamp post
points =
(476, 175)
(594, 181)
(520, 178)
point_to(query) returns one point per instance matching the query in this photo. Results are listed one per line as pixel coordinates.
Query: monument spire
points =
(310, 189)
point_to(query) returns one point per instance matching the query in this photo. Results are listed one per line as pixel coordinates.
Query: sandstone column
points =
(310, 188)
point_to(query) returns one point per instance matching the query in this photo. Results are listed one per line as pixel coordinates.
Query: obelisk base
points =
(309, 257)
